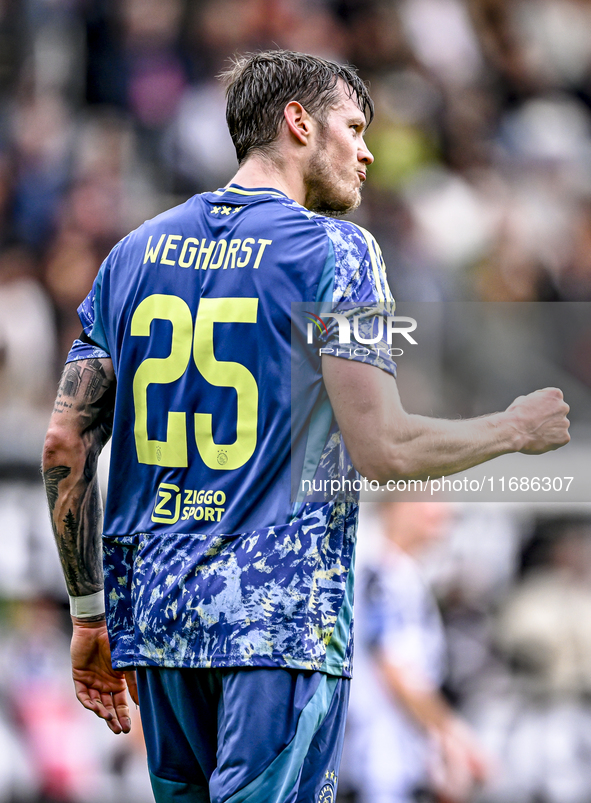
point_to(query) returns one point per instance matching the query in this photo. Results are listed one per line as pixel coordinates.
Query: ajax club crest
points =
(326, 794)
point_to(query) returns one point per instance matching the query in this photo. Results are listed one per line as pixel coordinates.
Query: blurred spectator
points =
(198, 146)
(42, 141)
(135, 58)
(404, 738)
(27, 353)
(533, 710)
(543, 626)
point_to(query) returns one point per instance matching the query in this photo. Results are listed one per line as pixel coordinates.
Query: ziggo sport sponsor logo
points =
(173, 504)
(400, 325)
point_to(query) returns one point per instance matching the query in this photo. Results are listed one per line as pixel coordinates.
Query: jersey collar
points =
(250, 192)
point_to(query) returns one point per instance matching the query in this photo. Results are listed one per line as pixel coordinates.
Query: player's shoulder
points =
(356, 235)
(297, 216)
(360, 272)
(174, 216)
(295, 227)
(349, 240)
(329, 226)
(154, 230)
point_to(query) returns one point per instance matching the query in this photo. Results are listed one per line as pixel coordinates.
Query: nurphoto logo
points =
(361, 330)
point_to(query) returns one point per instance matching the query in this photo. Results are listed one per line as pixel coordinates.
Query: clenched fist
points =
(540, 421)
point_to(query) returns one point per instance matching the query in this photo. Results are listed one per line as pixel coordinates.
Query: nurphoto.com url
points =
(442, 484)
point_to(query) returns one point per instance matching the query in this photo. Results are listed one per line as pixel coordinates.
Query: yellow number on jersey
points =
(229, 375)
(222, 373)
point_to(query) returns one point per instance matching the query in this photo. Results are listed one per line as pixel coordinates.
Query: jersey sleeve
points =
(361, 293)
(92, 342)
(85, 351)
(360, 272)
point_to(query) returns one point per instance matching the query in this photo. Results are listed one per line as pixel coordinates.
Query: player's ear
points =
(298, 121)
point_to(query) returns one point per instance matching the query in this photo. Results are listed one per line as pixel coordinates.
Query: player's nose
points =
(364, 155)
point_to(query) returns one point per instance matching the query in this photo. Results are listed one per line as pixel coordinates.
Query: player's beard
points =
(325, 192)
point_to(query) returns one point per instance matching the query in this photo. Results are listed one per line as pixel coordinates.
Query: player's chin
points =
(337, 207)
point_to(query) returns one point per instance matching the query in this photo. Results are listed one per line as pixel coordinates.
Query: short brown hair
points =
(260, 85)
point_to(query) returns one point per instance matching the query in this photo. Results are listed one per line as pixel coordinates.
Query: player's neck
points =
(260, 172)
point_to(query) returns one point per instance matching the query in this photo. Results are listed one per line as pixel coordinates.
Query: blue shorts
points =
(242, 735)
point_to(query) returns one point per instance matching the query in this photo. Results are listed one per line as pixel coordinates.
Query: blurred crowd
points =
(110, 112)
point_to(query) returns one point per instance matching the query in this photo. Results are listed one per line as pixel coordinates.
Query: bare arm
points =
(420, 698)
(385, 442)
(462, 763)
(80, 426)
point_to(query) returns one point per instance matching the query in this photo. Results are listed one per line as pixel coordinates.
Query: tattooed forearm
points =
(52, 478)
(77, 534)
(80, 426)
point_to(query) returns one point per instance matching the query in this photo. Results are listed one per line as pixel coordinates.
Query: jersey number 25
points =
(197, 338)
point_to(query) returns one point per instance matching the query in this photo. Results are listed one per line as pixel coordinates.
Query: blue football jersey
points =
(211, 557)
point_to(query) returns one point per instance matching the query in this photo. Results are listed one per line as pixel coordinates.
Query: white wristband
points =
(87, 606)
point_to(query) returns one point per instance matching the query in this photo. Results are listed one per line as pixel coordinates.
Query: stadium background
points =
(481, 191)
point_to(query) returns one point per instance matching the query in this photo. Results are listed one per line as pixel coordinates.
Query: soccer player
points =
(234, 603)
